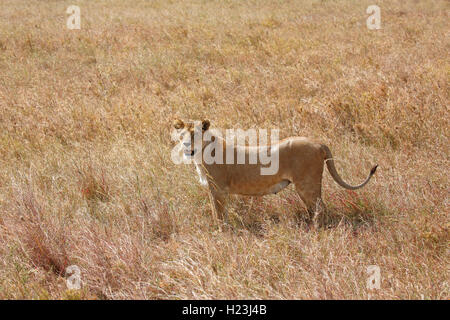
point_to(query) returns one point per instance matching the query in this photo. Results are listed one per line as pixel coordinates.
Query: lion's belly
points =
(258, 188)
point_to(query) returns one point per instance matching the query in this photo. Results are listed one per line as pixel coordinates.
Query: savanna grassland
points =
(86, 176)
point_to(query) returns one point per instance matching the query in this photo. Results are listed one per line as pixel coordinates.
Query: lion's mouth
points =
(189, 153)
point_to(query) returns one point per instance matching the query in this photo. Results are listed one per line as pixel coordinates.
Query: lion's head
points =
(190, 134)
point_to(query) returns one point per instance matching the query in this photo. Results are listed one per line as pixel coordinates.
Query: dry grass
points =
(85, 170)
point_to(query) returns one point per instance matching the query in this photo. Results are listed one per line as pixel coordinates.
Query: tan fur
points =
(301, 162)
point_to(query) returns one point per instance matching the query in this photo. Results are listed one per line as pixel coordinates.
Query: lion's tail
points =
(332, 169)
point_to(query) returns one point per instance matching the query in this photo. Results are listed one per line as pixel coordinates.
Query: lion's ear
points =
(205, 125)
(178, 124)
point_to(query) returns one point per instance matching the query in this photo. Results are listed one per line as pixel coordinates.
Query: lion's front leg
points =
(217, 199)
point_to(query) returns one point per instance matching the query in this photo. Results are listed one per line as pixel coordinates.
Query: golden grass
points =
(85, 170)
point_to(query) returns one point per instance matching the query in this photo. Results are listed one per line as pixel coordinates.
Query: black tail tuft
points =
(372, 171)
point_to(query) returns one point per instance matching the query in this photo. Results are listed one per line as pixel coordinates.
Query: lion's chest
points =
(201, 176)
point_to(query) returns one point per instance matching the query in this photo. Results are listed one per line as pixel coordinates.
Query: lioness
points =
(300, 162)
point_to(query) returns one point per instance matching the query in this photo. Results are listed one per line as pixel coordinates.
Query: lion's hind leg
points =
(310, 199)
(308, 184)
